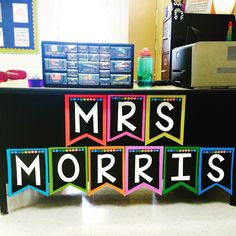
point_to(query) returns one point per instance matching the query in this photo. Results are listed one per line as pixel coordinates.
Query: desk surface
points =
(24, 84)
(21, 86)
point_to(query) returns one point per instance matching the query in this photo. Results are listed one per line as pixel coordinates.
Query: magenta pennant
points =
(144, 168)
(126, 117)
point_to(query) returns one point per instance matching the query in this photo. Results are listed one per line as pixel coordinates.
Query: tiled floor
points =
(108, 213)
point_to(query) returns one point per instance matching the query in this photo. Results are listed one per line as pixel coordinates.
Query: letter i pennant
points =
(27, 169)
(106, 168)
(216, 169)
(180, 168)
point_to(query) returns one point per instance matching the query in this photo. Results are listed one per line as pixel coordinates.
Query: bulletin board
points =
(18, 32)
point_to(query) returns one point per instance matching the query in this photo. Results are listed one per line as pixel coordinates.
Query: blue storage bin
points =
(71, 64)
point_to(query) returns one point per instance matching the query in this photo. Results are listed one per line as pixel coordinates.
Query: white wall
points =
(49, 11)
(100, 20)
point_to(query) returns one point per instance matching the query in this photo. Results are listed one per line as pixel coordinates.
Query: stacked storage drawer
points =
(87, 65)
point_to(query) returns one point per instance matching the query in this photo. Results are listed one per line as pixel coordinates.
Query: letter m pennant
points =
(85, 117)
(27, 168)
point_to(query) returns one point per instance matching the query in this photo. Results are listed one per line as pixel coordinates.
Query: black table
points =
(35, 116)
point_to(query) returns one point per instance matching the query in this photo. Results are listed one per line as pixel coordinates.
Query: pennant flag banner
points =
(165, 118)
(216, 169)
(106, 168)
(144, 169)
(142, 118)
(68, 168)
(180, 168)
(127, 117)
(124, 169)
(114, 145)
(85, 117)
(27, 168)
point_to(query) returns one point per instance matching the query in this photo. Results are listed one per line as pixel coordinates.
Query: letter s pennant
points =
(216, 169)
(165, 118)
(27, 168)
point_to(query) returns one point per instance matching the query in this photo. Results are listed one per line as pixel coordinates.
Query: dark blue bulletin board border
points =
(8, 27)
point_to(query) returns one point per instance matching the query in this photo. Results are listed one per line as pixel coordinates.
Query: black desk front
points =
(35, 118)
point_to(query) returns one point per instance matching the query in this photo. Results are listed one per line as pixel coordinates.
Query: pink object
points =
(3, 76)
(16, 74)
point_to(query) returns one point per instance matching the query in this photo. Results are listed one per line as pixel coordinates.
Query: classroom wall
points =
(32, 63)
(138, 26)
(141, 23)
(142, 26)
(145, 29)
(115, 29)
(159, 34)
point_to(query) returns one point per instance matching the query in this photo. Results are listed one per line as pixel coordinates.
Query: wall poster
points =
(198, 6)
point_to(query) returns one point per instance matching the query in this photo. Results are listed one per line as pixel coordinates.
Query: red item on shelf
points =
(3, 76)
(16, 74)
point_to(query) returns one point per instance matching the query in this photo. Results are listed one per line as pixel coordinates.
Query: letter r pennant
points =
(144, 168)
(106, 168)
(126, 117)
(85, 117)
